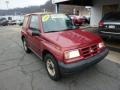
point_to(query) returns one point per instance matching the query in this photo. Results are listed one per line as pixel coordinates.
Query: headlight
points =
(71, 54)
(101, 45)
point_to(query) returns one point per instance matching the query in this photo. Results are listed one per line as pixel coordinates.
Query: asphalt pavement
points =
(21, 71)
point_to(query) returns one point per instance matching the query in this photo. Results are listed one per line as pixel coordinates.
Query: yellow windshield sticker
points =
(45, 18)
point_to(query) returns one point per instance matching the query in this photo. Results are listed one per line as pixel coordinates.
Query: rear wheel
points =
(25, 46)
(52, 67)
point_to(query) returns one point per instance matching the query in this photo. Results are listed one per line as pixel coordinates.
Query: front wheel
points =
(52, 67)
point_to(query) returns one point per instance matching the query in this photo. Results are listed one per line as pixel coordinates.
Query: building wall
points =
(96, 10)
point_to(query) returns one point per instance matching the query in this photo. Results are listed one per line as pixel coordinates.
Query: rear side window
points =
(25, 21)
(34, 24)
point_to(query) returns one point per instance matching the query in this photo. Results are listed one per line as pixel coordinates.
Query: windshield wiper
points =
(52, 31)
(68, 29)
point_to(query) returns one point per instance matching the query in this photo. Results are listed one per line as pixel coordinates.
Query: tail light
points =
(101, 24)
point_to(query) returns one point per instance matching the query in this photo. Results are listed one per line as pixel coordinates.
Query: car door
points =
(34, 26)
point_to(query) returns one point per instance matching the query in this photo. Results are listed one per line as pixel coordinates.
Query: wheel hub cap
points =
(50, 67)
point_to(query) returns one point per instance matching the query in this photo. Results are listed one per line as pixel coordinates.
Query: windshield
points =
(57, 22)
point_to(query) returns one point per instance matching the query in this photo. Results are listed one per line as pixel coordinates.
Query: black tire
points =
(56, 76)
(25, 46)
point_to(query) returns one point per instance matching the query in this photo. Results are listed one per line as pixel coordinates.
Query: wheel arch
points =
(44, 52)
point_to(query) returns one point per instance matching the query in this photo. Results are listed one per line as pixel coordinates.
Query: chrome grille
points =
(89, 51)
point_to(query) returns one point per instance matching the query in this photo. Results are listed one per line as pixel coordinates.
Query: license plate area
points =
(111, 26)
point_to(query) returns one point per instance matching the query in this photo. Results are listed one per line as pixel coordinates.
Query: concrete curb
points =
(114, 49)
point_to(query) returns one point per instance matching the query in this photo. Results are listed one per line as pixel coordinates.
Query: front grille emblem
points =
(91, 50)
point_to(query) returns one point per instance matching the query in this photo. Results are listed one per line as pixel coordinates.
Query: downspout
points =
(57, 8)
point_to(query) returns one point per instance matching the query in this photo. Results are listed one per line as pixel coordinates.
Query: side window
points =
(34, 24)
(25, 21)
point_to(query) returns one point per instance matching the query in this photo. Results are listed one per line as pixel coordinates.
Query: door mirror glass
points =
(35, 33)
(21, 24)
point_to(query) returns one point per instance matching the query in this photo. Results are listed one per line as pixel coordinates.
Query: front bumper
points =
(75, 67)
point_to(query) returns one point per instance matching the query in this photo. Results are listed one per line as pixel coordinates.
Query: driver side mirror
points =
(35, 33)
(20, 24)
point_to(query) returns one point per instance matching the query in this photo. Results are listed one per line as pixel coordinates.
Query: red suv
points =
(63, 47)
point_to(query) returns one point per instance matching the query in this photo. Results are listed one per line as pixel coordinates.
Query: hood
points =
(72, 38)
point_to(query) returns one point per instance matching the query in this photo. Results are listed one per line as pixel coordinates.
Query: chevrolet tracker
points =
(63, 47)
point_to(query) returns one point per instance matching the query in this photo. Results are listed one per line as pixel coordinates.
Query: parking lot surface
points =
(21, 71)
